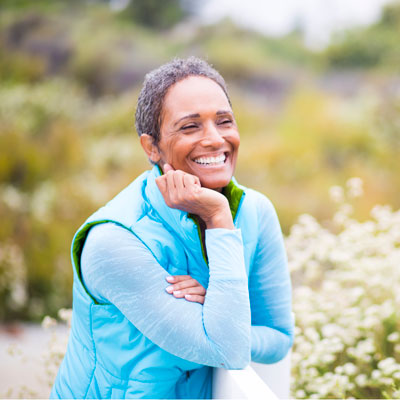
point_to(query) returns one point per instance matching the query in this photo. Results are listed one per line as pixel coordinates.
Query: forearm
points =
(128, 276)
(272, 320)
(269, 345)
(227, 306)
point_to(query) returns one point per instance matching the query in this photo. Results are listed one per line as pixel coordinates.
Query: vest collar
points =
(175, 219)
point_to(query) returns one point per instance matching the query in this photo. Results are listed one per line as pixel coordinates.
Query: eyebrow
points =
(222, 112)
(186, 117)
(197, 115)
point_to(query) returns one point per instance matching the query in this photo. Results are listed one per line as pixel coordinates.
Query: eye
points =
(188, 127)
(225, 121)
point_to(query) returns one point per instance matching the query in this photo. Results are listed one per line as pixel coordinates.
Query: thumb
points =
(167, 167)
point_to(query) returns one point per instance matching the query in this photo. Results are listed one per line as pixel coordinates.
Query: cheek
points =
(170, 150)
(235, 140)
(238, 140)
(167, 147)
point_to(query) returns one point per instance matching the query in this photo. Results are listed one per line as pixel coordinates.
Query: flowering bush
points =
(346, 280)
(12, 276)
(57, 345)
(63, 165)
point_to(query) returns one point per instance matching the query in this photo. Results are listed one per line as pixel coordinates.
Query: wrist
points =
(222, 219)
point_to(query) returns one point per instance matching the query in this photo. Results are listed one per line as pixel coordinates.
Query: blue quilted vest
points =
(107, 357)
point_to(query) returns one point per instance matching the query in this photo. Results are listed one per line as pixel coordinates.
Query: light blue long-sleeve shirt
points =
(118, 268)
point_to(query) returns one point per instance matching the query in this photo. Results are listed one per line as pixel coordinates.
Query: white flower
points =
(48, 322)
(354, 187)
(330, 330)
(339, 369)
(393, 337)
(65, 314)
(336, 193)
(312, 334)
(300, 393)
(349, 369)
(19, 295)
(361, 380)
(386, 381)
(13, 198)
(327, 358)
(376, 374)
(42, 200)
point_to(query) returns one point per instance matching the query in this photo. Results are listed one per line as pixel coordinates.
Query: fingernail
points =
(169, 289)
(170, 278)
(188, 296)
(177, 292)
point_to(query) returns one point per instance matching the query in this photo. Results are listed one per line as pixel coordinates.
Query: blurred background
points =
(315, 89)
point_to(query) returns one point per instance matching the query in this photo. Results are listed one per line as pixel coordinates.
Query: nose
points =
(211, 136)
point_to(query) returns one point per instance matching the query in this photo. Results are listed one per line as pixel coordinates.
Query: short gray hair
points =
(156, 85)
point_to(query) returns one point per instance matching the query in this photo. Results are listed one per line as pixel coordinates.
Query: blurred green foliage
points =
(374, 46)
(156, 14)
(70, 76)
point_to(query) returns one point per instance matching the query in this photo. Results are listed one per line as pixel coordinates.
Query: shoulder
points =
(103, 233)
(260, 202)
(109, 237)
(268, 224)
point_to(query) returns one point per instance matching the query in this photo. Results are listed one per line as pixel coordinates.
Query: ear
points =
(150, 148)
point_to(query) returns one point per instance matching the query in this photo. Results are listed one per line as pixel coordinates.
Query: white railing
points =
(257, 381)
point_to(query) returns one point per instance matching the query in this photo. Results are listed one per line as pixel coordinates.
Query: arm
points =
(118, 268)
(270, 291)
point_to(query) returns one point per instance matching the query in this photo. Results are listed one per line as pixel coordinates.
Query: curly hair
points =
(155, 87)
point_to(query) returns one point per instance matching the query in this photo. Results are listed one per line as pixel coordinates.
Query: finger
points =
(169, 176)
(167, 167)
(195, 298)
(178, 181)
(162, 184)
(185, 284)
(192, 183)
(197, 180)
(191, 290)
(177, 278)
(190, 180)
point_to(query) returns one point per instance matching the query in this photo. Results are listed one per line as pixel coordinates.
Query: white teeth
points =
(211, 160)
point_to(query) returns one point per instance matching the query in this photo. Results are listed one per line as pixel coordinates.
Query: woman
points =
(187, 225)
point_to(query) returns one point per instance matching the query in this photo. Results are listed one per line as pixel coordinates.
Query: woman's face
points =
(198, 132)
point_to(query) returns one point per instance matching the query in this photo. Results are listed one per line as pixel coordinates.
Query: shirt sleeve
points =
(270, 291)
(118, 268)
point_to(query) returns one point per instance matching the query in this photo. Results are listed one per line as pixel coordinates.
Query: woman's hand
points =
(187, 287)
(184, 192)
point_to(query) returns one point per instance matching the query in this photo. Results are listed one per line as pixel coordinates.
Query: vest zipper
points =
(195, 220)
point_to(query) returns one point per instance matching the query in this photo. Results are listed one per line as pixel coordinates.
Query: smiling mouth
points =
(210, 161)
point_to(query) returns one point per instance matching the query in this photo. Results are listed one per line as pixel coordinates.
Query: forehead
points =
(195, 94)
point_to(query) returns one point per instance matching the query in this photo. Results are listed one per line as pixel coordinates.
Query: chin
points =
(215, 184)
